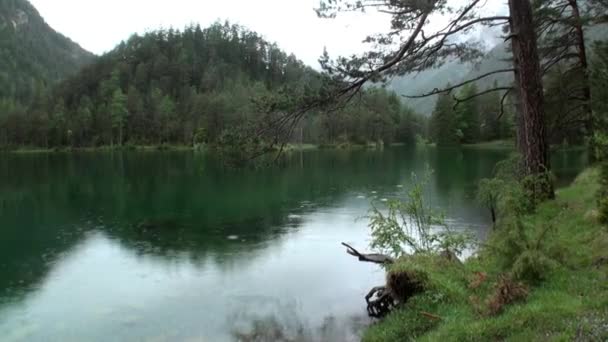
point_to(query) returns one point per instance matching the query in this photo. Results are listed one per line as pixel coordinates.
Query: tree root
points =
(379, 302)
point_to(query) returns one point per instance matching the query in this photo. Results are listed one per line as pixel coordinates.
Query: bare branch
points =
(375, 258)
(448, 90)
(502, 104)
(487, 91)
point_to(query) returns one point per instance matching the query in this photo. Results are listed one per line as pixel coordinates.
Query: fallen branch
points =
(375, 258)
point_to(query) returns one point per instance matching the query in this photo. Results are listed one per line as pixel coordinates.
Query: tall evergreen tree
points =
(489, 110)
(467, 113)
(119, 112)
(444, 126)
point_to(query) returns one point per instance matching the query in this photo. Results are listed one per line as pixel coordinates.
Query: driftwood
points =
(379, 300)
(375, 258)
(400, 285)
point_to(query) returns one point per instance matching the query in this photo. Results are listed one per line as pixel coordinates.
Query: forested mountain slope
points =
(196, 86)
(33, 56)
(426, 81)
(498, 57)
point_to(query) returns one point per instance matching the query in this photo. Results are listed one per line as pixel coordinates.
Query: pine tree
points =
(58, 122)
(467, 114)
(489, 110)
(444, 129)
(167, 113)
(118, 112)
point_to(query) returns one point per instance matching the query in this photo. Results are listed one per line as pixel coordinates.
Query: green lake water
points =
(171, 246)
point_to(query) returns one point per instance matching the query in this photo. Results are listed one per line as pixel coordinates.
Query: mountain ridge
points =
(33, 56)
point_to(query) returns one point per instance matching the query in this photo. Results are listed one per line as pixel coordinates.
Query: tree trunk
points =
(535, 148)
(519, 113)
(586, 90)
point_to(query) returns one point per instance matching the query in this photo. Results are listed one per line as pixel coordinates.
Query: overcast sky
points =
(98, 26)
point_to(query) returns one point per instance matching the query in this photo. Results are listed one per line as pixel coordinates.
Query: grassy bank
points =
(475, 301)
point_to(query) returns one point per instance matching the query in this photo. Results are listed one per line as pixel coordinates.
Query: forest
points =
(194, 86)
(190, 87)
(33, 56)
(494, 229)
(225, 85)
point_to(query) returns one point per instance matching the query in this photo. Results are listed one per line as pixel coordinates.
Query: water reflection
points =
(171, 246)
(103, 287)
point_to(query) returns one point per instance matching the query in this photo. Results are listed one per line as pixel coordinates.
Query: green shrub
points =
(413, 225)
(488, 195)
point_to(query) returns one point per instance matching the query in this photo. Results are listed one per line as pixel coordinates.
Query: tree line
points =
(476, 120)
(547, 39)
(193, 87)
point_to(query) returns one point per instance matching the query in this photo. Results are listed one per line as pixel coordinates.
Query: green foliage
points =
(413, 225)
(560, 244)
(167, 86)
(525, 254)
(238, 146)
(489, 193)
(566, 118)
(467, 114)
(495, 117)
(118, 112)
(472, 121)
(376, 117)
(444, 128)
(599, 82)
(508, 193)
(602, 201)
(509, 198)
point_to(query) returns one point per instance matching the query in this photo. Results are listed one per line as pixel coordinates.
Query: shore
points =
(489, 145)
(471, 300)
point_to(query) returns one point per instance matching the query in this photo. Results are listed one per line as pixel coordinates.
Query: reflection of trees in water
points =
(290, 328)
(48, 202)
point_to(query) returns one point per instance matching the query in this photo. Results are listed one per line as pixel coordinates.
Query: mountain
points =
(426, 81)
(200, 86)
(33, 56)
(496, 58)
(452, 72)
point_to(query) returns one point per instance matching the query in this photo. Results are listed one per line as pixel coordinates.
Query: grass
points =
(570, 303)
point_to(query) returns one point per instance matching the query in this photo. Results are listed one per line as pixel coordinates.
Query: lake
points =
(171, 246)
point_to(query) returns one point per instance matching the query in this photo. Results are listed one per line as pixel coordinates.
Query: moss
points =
(569, 303)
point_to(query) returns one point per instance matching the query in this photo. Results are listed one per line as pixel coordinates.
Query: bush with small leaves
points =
(413, 225)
